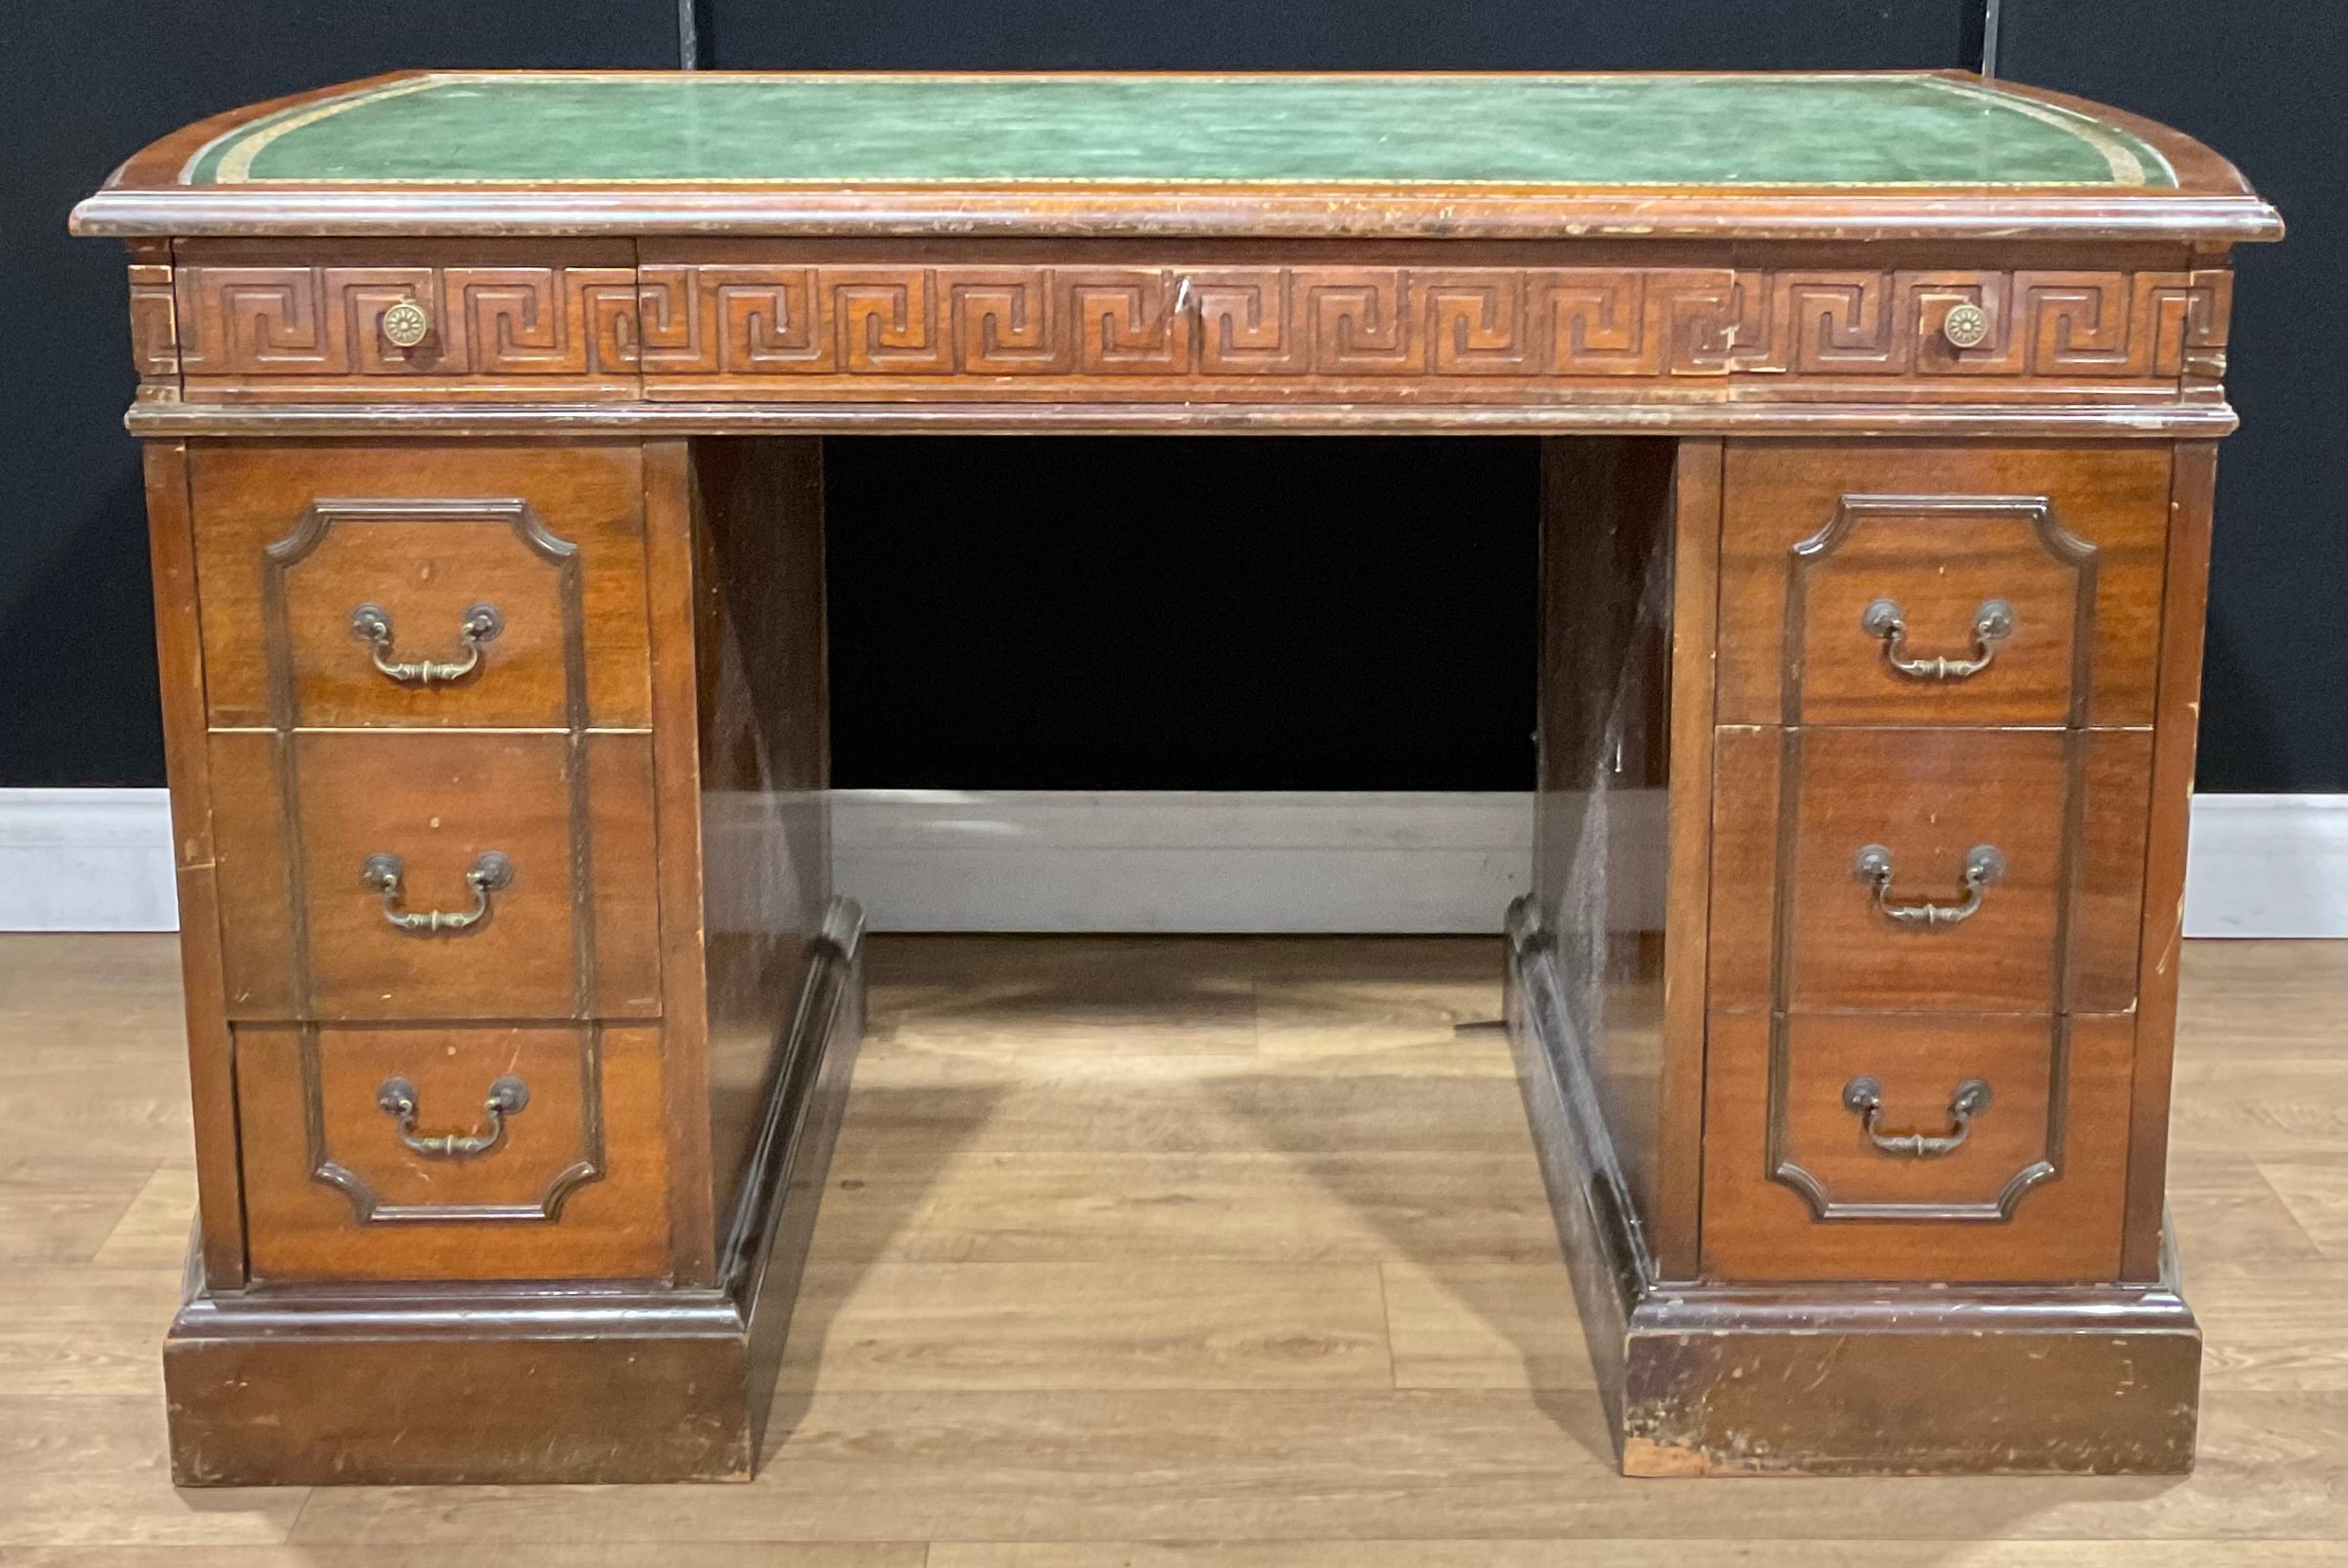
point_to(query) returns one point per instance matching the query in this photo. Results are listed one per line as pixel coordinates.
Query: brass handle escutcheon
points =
(405, 324)
(491, 872)
(1983, 865)
(1966, 326)
(1864, 1097)
(509, 1096)
(371, 625)
(1991, 623)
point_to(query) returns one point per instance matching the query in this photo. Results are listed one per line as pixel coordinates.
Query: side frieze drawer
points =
(360, 320)
(467, 1153)
(436, 874)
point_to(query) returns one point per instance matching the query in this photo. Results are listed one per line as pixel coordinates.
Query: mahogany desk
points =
(482, 418)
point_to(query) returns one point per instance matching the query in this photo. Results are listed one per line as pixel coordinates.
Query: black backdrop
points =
(1084, 693)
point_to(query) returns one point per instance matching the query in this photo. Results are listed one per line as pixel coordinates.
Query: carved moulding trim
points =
(2073, 420)
(278, 558)
(371, 1210)
(2067, 548)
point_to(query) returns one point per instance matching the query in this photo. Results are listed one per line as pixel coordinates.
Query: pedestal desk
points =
(483, 418)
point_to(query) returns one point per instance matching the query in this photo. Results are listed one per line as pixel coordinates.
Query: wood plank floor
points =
(1187, 1254)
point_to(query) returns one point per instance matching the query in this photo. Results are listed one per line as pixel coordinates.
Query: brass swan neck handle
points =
(371, 625)
(1984, 865)
(492, 872)
(1991, 623)
(509, 1096)
(1864, 1097)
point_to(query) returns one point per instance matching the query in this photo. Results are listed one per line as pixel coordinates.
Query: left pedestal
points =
(513, 1106)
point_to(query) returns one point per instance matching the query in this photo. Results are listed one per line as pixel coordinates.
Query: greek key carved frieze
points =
(155, 331)
(725, 327)
(1299, 322)
(315, 321)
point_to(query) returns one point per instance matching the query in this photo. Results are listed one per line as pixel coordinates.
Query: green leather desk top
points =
(1784, 130)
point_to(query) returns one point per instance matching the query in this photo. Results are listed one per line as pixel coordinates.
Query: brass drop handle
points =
(491, 872)
(509, 1096)
(371, 625)
(1864, 1096)
(1991, 623)
(1984, 865)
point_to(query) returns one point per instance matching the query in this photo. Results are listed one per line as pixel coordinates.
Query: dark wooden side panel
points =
(180, 652)
(1673, 1226)
(1601, 835)
(2194, 481)
(758, 622)
(676, 754)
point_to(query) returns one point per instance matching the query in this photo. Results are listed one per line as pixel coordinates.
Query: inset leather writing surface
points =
(551, 536)
(1974, 534)
(546, 127)
(569, 1188)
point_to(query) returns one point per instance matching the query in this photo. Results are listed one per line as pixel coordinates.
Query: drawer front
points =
(997, 320)
(1928, 870)
(476, 1153)
(1911, 583)
(359, 321)
(436, 874)
(1915, 1146)
(351, 586)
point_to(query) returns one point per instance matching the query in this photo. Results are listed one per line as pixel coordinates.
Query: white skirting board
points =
(100, 860)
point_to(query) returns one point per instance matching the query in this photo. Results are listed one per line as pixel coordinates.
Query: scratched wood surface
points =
(1192, 1254)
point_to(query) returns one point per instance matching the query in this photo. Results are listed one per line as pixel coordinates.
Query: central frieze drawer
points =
(436, 874)
(770, 320)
